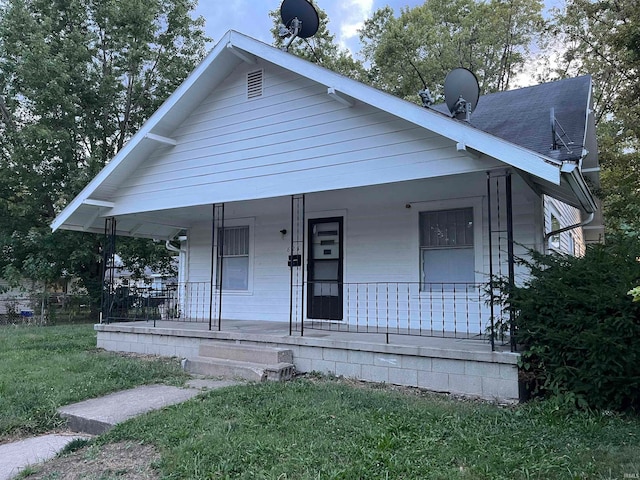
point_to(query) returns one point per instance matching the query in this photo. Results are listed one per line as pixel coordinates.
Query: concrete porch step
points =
(246, 353)
(222, 367)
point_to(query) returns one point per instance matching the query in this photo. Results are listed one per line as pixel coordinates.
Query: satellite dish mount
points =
(299, 19)
(461, 93)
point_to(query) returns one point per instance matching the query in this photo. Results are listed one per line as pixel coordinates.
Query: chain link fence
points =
(49, 309)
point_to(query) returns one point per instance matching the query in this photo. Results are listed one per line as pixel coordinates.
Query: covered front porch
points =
(464, 366)
(411, 259)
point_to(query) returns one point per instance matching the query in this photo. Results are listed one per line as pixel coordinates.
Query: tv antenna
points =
(461, 93)
(299, 19)
(557, 138)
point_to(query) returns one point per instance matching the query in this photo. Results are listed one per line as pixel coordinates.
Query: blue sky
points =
(252, 16)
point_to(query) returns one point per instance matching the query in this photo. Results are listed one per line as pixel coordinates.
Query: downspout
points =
(182, 285)
(170, 247)
(577, 184)
(589, 219)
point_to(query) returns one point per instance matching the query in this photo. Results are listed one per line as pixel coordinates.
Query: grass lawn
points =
(42, 368)
(309, 428)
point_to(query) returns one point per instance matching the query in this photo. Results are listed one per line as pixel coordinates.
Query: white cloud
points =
(351, 17)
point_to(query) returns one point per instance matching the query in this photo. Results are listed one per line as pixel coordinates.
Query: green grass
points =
(328, 429)
(42, 368)
(309, 428)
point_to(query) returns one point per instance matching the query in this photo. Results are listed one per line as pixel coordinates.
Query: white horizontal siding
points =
(381, 241)
(295, 138)
(268, 297)
(566, 215)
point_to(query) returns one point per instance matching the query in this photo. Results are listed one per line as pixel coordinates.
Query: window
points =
(446, 246)
(234, 260)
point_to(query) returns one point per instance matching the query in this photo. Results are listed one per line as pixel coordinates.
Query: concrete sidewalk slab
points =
(97, 415)
(16, 456)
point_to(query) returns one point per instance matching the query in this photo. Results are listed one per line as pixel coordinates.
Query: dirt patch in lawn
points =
(129, 460)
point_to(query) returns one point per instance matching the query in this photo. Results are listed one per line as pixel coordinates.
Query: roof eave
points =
(531, 162)
(571, 173)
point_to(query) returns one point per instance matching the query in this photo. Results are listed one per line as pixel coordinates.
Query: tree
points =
(77, 79)
(321, 48)
(418, 48)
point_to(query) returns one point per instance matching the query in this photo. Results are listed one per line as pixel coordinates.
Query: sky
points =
(251, 17)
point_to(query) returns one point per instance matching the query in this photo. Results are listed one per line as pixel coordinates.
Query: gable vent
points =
(254, 84)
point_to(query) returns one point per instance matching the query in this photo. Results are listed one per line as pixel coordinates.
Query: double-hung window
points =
(447, 247)
(233, 258)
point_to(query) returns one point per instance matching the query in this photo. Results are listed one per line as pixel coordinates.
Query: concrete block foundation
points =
(443, 365)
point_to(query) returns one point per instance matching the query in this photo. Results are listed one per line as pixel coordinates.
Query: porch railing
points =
(186, 302)
(457, 310)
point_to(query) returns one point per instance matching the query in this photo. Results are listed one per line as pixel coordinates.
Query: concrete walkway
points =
(96, 416)
(14, 457)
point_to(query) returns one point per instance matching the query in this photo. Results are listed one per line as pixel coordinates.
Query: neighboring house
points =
(149, 295)
(27, 298)
(311, 198)
(14, 300)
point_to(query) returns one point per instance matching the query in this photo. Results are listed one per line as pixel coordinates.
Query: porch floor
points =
(278, 331)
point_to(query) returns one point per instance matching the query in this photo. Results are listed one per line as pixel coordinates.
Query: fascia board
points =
(538, 165)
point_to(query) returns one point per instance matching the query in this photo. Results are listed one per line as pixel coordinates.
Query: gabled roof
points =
(234, 48)
(523, 116)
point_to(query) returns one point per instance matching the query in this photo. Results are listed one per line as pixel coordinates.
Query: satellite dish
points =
(461, 92)
(299, 18)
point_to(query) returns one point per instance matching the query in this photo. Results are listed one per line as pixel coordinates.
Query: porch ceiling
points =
(164, 224)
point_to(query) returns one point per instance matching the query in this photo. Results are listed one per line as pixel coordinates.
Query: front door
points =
(324, 299)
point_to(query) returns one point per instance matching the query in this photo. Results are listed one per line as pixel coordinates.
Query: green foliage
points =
(419, 47)
(332, 428)
(77, 80)
(578, 326)
(635, 293)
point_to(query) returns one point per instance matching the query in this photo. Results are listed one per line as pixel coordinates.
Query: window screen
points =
(233, 258)
(446, 246)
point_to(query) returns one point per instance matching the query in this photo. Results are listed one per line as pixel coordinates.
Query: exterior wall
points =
(571, 242)
(492, 376)
(295, 138)
(381, 238)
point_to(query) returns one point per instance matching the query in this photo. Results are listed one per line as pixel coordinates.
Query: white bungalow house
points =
(306, 199)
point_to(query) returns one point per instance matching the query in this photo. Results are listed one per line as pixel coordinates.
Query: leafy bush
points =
(578, 327)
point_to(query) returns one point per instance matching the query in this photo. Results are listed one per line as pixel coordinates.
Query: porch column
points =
(500, 218)
(108, 269)
(217, 249)
(491, 295)
(296, 264)
(510, 257)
